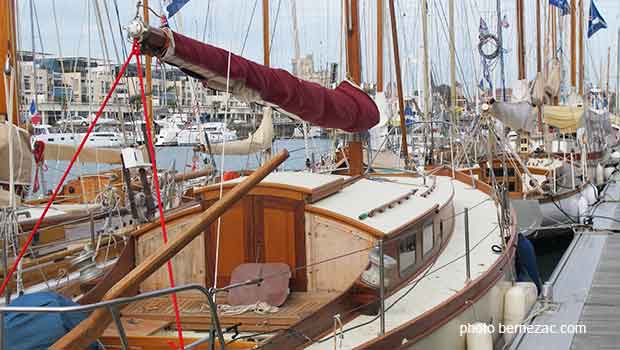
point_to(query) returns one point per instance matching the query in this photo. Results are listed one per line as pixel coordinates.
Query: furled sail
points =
(259, 141)
(346, 107)
(87, 155)
(22, 155)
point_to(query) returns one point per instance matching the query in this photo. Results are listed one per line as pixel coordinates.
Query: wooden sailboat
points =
(557, 171)
(387, 256)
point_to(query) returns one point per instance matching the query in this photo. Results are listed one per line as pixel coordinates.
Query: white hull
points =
(96, 139)
(569, 209)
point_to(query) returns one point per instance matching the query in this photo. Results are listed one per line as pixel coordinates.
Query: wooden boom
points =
(91, 328)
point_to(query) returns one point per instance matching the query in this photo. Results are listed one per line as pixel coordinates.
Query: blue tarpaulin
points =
(38, 331)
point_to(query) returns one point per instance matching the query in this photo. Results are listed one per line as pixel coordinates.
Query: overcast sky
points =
(228, 22)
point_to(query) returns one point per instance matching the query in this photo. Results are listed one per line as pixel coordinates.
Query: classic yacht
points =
(376, 261)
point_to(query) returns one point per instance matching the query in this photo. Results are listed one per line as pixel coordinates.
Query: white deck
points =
(438, 286)
(367, 194)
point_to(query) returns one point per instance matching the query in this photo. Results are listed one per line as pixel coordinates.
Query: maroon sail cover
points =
(347, 107)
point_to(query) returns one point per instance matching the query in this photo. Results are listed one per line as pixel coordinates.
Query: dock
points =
(582, 304)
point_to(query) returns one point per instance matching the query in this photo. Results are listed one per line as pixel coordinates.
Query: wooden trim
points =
(418, 219)
(166, 343)
(327, 190)
(274, 190)
(542, 199)
(328, 214)
(173, 215)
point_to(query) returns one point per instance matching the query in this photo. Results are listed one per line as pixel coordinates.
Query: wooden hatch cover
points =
(273, 290)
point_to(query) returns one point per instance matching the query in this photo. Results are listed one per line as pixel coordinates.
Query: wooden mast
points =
(452, 30)
(573, 44)
(399, 85)
(608, 70)
(266, 49)
(521, 41)
(8, 50)
(148, 88)
(380, 6)
(354, 73)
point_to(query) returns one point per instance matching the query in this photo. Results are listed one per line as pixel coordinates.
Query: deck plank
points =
(601, 312)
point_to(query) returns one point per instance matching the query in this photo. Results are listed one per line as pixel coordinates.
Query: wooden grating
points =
(195, 312)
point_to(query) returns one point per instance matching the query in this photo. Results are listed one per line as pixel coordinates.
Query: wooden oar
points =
(90, 329)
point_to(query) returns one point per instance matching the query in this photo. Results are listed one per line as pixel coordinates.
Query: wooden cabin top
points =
(378, 205)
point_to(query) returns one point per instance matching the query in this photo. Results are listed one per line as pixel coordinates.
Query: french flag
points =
(35, 117)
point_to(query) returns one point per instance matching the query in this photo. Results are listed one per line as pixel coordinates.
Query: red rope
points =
(162, 218)
(22, 252)
(38, 153)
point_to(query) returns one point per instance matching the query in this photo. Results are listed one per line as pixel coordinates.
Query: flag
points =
(562, 5)
(596, 22)
(174, 6)
(35, 117)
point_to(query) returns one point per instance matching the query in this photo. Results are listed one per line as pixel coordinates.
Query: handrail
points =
(112, 306)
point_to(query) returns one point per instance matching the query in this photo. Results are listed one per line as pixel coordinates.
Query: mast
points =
(8, 51)
(521, 41)
(354, 72)
(399, 84)
(582, 62)
(539, 53)
(452, 63)
(266, 33)
(618, 75)
(149, 77)
(426, 75)
(297, 51)
(380, 7)
(296, 64)
(501, 43)
(573, 44)
(608, 70)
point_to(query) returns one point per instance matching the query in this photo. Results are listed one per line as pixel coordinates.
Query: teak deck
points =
(195, 312)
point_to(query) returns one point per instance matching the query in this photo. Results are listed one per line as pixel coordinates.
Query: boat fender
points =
(526, 264)
(479, 336)
(230, 175)
(517, 304)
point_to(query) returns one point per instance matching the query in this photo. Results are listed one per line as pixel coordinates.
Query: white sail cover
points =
(22, 155)
(257, 142)
(87, 155)
(517, 116)
(554, 79)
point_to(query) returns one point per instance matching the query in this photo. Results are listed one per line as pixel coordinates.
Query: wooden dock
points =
(586, 298)
(601, 312)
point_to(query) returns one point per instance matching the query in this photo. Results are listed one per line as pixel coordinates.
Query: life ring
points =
(485, 39)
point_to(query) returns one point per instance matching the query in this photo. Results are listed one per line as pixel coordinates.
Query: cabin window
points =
(427, 237)
(407, 252)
